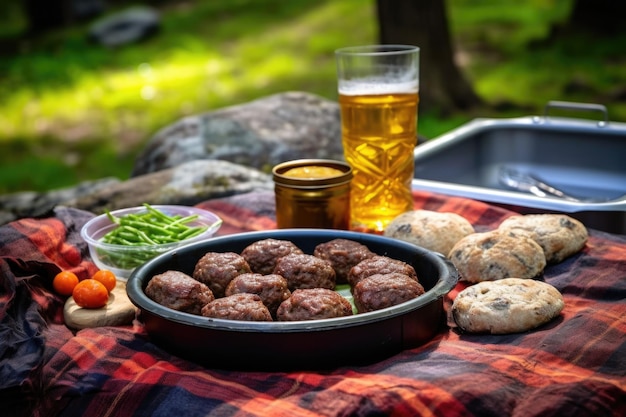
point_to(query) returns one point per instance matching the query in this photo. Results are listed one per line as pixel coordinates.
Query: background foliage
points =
(71, 110)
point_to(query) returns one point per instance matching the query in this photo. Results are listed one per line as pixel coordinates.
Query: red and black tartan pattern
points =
(572, 366)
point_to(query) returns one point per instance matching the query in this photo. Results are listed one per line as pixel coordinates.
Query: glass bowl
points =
(123, 259)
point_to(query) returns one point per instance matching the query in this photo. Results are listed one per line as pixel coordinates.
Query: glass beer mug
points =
(378, 95)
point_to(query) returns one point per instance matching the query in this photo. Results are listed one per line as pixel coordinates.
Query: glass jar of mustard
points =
(312, 193)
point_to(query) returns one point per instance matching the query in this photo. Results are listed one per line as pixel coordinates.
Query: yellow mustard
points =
(313, 172)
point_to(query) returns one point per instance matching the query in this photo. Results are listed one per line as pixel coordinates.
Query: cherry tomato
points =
(64, 282)
(107, 278)
(90, 293)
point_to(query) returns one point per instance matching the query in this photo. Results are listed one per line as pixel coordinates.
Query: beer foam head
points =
(377, 86)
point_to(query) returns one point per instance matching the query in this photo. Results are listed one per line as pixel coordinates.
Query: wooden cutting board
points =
(118, 311)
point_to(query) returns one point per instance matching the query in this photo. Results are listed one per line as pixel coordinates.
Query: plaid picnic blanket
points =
(573, 366)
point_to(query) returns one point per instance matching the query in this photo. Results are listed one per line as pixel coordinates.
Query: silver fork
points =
(522, 181)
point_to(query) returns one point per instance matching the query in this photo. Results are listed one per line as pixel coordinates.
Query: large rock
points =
(187, 184)
(258, 134)
(127, 26)
(33, 204)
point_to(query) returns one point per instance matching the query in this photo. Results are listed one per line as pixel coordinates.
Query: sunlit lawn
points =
(71, 110)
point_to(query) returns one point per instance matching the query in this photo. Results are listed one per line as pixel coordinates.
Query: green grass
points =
(71, 110)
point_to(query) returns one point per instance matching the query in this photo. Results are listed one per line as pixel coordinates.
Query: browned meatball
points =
(379, 265)
(263, 254)
(305, 271)
(246, 307)
(385, 290)
(342, 254)
(179, 291)
(216, 270)
(271, 288)
(313, 304)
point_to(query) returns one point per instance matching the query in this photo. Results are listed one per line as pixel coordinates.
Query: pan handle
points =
(568, 105)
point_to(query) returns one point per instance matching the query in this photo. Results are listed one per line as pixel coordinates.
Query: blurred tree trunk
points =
(45, 15)
(602, 17)
(424, 23)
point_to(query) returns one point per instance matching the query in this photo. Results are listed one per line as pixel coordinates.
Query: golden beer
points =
(379, 133)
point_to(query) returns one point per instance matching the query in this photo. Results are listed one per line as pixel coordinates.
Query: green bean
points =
(118, 240)
(158, 213)
(181, 223)
(192, 232)
(143, 226)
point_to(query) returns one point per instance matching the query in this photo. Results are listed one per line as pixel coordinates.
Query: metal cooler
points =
(534, 164)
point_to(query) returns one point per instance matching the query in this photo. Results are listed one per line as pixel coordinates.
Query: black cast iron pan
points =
(314, 344)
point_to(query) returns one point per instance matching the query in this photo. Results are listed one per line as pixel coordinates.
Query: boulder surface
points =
(258, 134)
